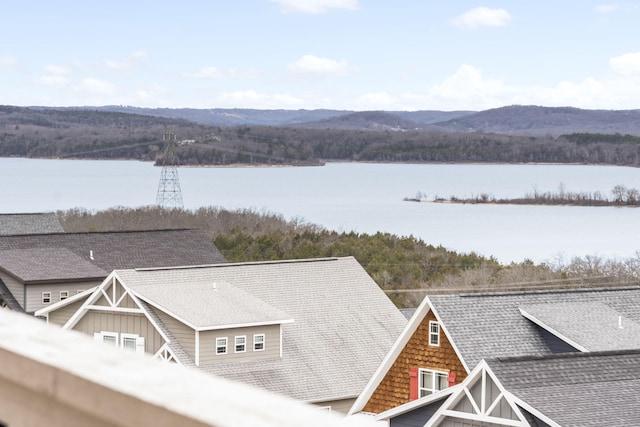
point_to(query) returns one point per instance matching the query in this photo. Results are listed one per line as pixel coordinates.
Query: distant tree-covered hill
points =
(356, 136)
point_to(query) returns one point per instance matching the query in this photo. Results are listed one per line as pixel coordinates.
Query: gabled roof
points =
(29, 223)
(203, 305)
(481, 326)
(343, 323)
(581, 389)
(45, 264)
(491, 325)
(81, 255)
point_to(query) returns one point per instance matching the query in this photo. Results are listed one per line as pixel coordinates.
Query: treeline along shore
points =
(405, 267)
(621, 196)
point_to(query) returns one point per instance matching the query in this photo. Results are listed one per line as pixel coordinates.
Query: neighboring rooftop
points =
(492, 325)
(29, 223)
(82, 255)
(576, 389)
(343, 324)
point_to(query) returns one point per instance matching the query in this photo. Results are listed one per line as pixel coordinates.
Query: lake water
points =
(364, 198)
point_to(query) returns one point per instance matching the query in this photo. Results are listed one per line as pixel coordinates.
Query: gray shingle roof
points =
(592, 326)
(577, 389)
(343, 323)
(206, 304)
(108, 251)
(490, 325)
(42, 264)
(29, 223)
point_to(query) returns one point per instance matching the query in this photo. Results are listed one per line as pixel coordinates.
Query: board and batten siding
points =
(185, 335)
(15, 286)
(34, 292)
(271, 350)
(129, 323)
(63, 314)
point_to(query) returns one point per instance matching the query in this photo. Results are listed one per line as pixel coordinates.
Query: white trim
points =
(62, 293)
(421, 401)
(264, 342)
(197, 349)
(530, 409)
(226, 346)
(124, 336)
(212, 327)
(414, 323)
(432, 334)
(484, 418)
(235, 344)
(47, 297)
(115, 309)
(552, 331)
(434, 377)
(73, 298)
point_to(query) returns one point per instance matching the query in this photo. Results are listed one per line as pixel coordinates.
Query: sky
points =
(356, 55)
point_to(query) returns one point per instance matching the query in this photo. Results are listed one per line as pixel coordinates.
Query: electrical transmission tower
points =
(169, 194)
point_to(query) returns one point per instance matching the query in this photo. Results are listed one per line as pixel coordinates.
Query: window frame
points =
(426, 390)
(124, 336)
(64, 295)
(434, 336)
(224, 346)
(263, 342)
(46, 298)
(113, 335)
(242, 346)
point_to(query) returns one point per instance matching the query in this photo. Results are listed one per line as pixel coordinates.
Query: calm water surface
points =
(364, 198)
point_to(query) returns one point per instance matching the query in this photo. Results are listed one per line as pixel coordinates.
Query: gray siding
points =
(15, 286)
(184, 334)
(34, 292)
(101, 321)
(62, 315)
(208, 344)
(341, 406)
(418, 417)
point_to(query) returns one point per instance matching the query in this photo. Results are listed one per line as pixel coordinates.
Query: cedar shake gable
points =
(395, 388)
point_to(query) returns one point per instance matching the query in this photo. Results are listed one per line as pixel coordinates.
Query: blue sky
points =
(337, 54)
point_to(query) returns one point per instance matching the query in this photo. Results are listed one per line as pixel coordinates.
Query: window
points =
(241, 344)
(79, 291)
(431, 381)
(131, 342)
(64, 295)
(128, 342)
(434, 333)
(110, 338)
(258, 342)
(221, 345)
(46, 297)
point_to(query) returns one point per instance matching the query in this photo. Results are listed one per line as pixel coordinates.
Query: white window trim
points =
(244, 344)
(46, 296)
(432, 388)
(99, 336)
(435, 335)
(264, 340)
(64, 295)
(225, 345)
(124, 336)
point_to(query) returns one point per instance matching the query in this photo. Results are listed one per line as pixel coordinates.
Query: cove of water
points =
(363, 197)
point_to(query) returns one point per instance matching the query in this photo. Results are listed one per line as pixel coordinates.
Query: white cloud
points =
(482, 17)
(315, 6)
(52, 81)
(130, 61)
(606, 8)
(310, 64)
(96, 86)
(627, 64)
(211, 72)
(57, 70)
(8, 62)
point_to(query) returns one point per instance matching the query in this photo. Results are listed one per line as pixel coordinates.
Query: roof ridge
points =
(75, 233)
(568, 355)
(236, 264)
(549, 291)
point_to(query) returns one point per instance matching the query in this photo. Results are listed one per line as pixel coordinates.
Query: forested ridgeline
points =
(85, 133)
(405, 267)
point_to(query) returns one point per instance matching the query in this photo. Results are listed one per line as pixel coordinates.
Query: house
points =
(29, 223)
(37, 270)
(314, 330)
(57, 378)
(450, 334)
(568, 389)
